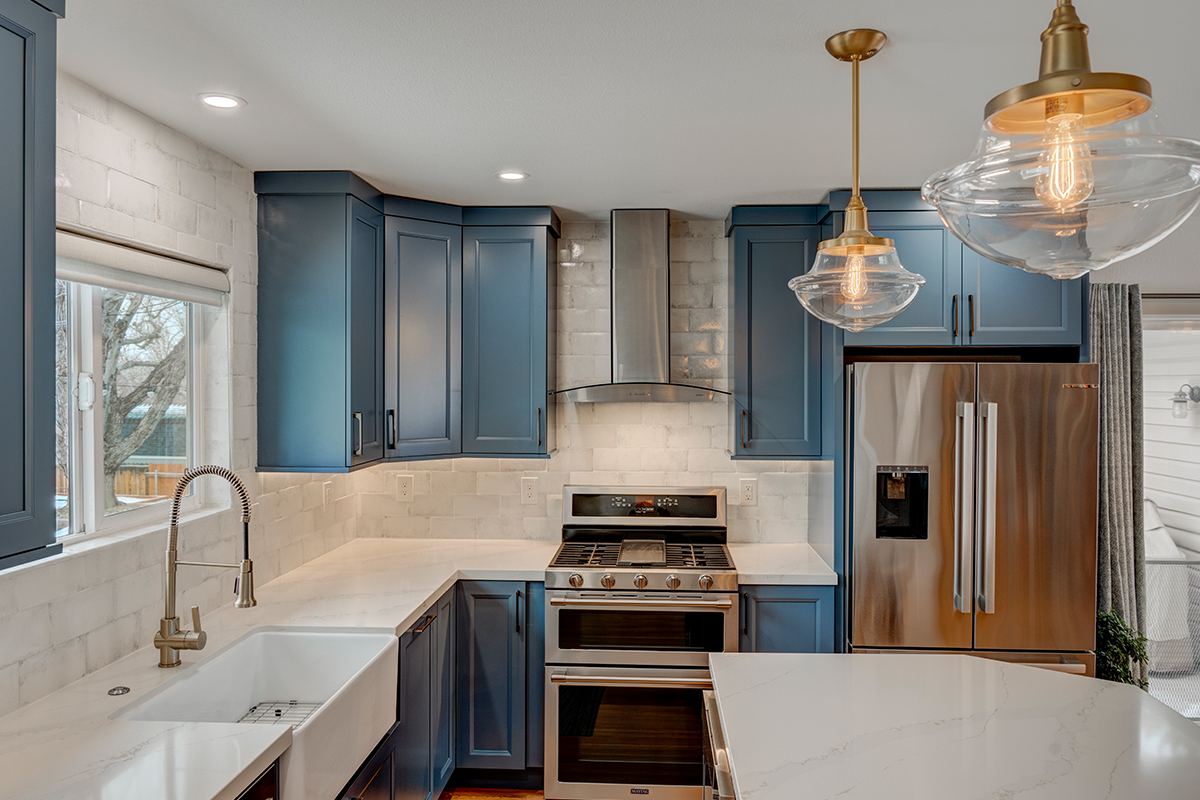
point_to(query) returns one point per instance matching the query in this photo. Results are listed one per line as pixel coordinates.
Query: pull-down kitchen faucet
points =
(170, 639)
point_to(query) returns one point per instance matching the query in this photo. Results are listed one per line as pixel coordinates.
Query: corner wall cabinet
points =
(786, 619)
(27, 92)
(776, 408)
(320, 315)
(967, 299)
(452, 338)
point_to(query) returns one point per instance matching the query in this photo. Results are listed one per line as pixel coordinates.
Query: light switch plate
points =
(748, 494)
(528, 491)
(404, 488)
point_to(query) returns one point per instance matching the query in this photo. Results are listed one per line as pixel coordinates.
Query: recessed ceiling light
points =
(512, 175)
(222, 100)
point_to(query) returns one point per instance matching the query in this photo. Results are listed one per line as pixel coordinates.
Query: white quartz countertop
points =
(915, 727)
(780, 564)
(65, 746)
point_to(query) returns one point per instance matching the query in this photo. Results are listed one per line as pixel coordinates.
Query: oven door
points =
(613, 732)
(639, 629)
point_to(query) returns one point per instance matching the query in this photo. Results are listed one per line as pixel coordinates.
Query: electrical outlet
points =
(404, 488)
(528, 491)
(749, 492)
(326, 493)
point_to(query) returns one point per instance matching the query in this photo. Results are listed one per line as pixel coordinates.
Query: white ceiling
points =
(695, 105)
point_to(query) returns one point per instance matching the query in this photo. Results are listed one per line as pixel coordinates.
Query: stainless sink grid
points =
(279, 712)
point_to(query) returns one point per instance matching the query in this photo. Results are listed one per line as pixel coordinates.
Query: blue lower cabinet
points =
(412, 741)
(492, 630)
(441, 696)
(787, 619)
(535, 676)
(375, 780)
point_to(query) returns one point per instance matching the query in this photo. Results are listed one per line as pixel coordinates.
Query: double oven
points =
(641, 591)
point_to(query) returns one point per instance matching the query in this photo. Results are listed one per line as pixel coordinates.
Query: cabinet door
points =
(930, 319)
(422, 338)
(27, 51)
(535, 678)
(365, 319)
(441, 711)
(491, 674)
(413, 751)
(1008, 306)
(787, 619)
(504, 340)
(777, 346)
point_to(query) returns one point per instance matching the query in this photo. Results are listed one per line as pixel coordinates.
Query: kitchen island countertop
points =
(916, 727)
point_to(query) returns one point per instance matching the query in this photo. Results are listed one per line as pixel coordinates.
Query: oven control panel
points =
(646, 579)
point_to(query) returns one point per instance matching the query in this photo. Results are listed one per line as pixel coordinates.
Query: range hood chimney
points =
(641, 312)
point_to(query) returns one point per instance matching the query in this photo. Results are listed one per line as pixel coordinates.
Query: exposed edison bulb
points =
(854, 282)
(1067, 179)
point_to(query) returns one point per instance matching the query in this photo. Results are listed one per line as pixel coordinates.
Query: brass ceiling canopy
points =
(1067, 85)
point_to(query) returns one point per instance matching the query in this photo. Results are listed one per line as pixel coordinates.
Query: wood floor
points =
(489, 794)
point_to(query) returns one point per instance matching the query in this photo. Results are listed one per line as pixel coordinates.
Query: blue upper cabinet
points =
(508, 279)
(320, 312)
(776, 408)
(423, 338)
(27, 52)
(967, 299)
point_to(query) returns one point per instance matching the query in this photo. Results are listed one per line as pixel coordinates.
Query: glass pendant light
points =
(857, 280)
(1070, 173)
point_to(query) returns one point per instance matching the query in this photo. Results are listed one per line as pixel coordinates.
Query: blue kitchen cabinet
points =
(27, 507)
(492, 628)
(423, 338)
(535, 676)
(966, 299)
(412, 743)
(787, 619)
(508, 329)
(441, 711)
(776, 408)
(320, 316)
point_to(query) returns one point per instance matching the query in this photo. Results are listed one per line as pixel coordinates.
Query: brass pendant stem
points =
(854, 138)
(1064, 43)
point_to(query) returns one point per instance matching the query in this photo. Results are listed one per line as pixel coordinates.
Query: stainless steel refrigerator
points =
(973, 509)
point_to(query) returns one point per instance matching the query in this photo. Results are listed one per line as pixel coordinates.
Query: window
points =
(126, 409)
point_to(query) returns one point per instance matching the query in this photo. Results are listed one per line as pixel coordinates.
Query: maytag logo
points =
(639, 791)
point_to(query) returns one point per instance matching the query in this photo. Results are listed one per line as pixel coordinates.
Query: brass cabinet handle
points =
(429, 618)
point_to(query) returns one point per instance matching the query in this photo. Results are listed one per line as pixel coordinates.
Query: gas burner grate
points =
(279, 712)
(587, 554)
(697, 556)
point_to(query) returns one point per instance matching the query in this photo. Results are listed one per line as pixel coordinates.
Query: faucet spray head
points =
(244, 585)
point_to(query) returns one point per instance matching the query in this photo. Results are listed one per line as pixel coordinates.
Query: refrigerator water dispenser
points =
(902, 502)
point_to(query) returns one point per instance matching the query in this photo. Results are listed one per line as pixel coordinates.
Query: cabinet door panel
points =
(787, 619)
(423, 337)
(1014, 307)
(934, 254)
(777, 358)
(366, 332)
(491, 674)
(441, 712)
(535, 677)
(504, 340)
(413, 754)
(27, 332)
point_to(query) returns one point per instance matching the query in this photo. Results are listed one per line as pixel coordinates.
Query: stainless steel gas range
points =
(641, 590)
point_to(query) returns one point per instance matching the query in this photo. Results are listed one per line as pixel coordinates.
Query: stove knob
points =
(672, 581)
(706, 582)
(639, 581)
(607, 581)
(575, 580)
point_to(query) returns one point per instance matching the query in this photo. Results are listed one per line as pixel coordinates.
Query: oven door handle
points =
(644, 605)
(631, 680)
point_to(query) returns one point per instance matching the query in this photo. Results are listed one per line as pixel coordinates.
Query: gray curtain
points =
(1116, 345)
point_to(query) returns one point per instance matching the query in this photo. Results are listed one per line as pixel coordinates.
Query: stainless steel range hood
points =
(641, 303)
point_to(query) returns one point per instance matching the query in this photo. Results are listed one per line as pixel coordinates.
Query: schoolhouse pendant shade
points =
(1070, 173)
(857, 280)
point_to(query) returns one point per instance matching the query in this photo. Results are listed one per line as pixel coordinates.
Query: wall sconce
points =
(1179, 403)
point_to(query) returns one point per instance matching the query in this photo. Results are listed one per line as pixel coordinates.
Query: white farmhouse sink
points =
(335, 686)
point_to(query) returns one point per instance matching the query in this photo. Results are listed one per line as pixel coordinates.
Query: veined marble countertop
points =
(922, 727)
(65, 746)
(782, 564)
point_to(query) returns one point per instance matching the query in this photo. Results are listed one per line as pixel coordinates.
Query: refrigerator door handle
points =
(986, 579)
(964, 513)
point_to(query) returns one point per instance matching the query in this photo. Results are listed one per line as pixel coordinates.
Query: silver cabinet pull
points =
(607, 680)
(518, 614)
(358, 422)
(954, 313)
(964, 500)
(971, 310)
(640, 604)
(986, 578)
(391, 415)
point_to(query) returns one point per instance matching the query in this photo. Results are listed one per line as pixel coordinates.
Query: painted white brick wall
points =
(121, 172)
(620, 444)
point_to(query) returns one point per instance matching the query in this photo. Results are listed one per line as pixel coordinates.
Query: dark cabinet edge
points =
(56, 7)
(771, 215)
(26, 556)
(318, 182)
(879, 200)
(509, 216)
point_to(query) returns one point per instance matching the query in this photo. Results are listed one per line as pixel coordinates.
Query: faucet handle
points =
(196, 619)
